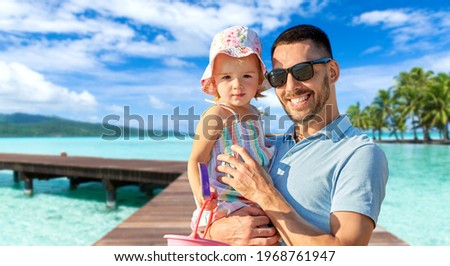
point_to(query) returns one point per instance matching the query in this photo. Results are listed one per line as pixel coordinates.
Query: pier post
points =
(110, 193)
(28, 182)
(111, 199)
(73, 184)
(16, 176)
(151, 189)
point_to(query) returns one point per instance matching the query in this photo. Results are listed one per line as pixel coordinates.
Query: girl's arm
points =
(207, 132)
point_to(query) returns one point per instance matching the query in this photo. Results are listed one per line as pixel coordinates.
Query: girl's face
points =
(236, 80)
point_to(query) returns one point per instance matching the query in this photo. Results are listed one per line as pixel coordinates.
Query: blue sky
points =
(85, 60)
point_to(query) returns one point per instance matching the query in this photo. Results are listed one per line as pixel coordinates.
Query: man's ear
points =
(334, 71)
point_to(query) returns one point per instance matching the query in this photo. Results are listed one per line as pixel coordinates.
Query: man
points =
(328, 180)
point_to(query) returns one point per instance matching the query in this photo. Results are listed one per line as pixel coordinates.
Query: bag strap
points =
(208, 225)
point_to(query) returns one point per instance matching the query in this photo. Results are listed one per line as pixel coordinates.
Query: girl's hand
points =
(212, 204)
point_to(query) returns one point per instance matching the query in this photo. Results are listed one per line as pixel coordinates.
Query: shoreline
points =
(412, 141)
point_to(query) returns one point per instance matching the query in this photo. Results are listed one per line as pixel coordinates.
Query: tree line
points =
(420, 100)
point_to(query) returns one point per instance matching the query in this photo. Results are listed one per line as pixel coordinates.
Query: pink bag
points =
(194, 239)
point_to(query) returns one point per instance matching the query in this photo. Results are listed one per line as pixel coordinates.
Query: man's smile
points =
(299, 100)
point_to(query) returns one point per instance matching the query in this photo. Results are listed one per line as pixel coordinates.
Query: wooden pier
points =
(167, 213)
(113, 173)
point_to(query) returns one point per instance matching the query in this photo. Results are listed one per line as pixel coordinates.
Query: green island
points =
(30, 125)
(419, 101)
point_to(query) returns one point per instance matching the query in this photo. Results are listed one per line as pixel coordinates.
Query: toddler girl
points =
(235, 75)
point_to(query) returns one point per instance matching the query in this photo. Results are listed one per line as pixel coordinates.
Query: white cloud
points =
(42, 17)
(411, 30)
(24, 90)
(176, 62)
(80, 54)
(53, 56)
(372, 50)
(158, 103)
(388, 18)
(115, 109)
(439, 62)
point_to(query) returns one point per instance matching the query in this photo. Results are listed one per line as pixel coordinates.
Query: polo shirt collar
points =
(335, 131)
(290, 133)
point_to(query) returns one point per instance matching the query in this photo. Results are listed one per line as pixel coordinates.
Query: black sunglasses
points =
(301, 72)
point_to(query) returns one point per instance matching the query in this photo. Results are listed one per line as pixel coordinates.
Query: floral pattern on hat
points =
(236, 41)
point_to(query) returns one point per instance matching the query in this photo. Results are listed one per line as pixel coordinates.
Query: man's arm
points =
(252, 182)
(247, 226)
(347, 228)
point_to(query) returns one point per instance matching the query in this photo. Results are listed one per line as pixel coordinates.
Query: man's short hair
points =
(304, 32)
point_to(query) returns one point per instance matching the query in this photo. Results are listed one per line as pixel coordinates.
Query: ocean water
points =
(435, 135)
(417, 203)
(415, 208)
(56, 215)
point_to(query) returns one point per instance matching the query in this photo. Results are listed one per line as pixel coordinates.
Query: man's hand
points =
(248, 177)
(247, 226)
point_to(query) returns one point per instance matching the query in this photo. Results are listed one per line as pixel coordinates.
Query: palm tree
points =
(436, 109)
(398, 123)
(358, 117)
(396, 113)
(377, 122)
(411, 87)
(368, 114)
(382, 104)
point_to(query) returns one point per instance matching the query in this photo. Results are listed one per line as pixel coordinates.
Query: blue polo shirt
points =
(336, 169)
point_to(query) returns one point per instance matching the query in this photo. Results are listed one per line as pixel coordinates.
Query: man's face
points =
(303, 101)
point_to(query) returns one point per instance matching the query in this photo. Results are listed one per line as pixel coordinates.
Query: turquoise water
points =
(168, 149)
(407, 135)
(56, 216)
(417, 203)
(415, 209)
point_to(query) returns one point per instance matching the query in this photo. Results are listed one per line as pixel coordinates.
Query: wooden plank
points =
(382, 237)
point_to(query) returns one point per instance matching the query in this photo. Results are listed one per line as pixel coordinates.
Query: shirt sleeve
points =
(360, 182)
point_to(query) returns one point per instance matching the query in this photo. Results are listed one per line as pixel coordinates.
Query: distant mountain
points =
(28, 125)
